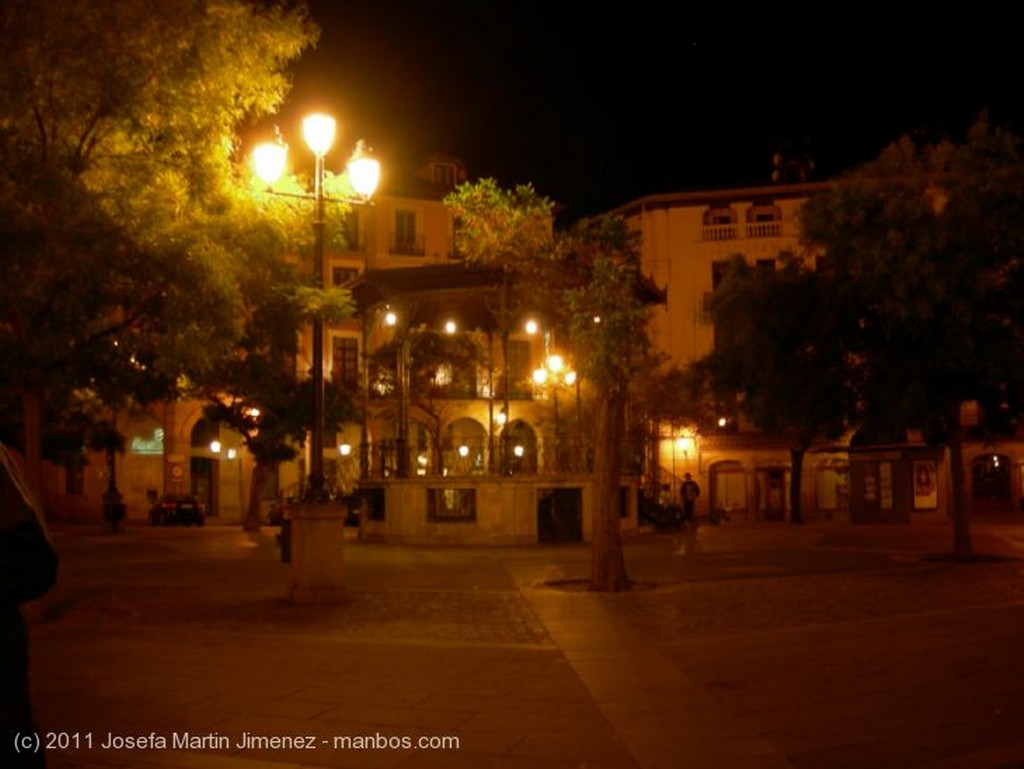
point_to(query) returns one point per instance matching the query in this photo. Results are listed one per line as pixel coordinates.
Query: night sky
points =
(601, 107)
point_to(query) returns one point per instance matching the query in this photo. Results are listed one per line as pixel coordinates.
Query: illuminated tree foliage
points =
(122, 225)
(608, 302)
(590, 279)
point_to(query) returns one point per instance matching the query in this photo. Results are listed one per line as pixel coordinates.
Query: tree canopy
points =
(782, 346)
(121, 215)
(926, 249)
(589, 279)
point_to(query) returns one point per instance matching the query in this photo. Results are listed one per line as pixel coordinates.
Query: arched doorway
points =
(464, 447)
(990, 484)
(519, 439)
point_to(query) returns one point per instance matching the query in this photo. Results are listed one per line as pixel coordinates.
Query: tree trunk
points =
(796, 475)
(962, 548)
(260, 473)
(607, 565)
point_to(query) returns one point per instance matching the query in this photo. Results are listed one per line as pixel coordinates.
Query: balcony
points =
(720, 231)
(734, 231)
(402, 244)
(771, 229)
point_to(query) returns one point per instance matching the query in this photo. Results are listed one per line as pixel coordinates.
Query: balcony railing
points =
(771, 229)
(407, 245)
(720, 231)
(716, 232)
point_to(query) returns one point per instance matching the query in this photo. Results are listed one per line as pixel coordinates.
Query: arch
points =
(203, 432)
(719, 223)
(764, 211)
(520, 440)
(719, 215)
(465, 447)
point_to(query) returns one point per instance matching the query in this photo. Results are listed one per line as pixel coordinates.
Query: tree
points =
(117, 138)
(608, 301)
(589, 279)
(926, 242)
(781, 344)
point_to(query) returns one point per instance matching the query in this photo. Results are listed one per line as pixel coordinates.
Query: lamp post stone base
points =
(317, 557)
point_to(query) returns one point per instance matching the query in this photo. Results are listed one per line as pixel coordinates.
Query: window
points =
(405, 240)
(351, 232)
(346, 362)
(444, 174)
(451, 505)
(878, 486)
(719, 223)
(519, 369)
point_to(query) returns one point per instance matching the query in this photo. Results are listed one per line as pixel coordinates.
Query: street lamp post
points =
(554, 374)
(317, 529)
(364, 172)
(318, 130)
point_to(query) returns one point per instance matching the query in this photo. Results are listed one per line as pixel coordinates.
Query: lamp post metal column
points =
(317, 527)
(316, 489)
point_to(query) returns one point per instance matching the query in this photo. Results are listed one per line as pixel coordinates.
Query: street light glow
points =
(363, 171)
(268, 161)
(318, 131)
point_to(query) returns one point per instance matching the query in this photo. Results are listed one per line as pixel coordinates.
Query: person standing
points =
(689, 493)
(28, 568)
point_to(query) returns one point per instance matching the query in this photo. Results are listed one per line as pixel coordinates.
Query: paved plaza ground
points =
(826, 646)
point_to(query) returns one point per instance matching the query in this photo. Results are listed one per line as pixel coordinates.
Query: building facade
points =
(475, 449)
(484, 448)
(688, 240)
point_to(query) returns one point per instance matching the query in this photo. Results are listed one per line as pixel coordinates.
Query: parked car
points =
(177, 508)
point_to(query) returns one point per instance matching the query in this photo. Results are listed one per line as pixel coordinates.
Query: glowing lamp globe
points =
(268, 161)
(318, 131)
(363, 171)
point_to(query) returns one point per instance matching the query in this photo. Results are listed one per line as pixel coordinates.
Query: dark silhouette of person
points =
(28, 568)
(689, 493)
